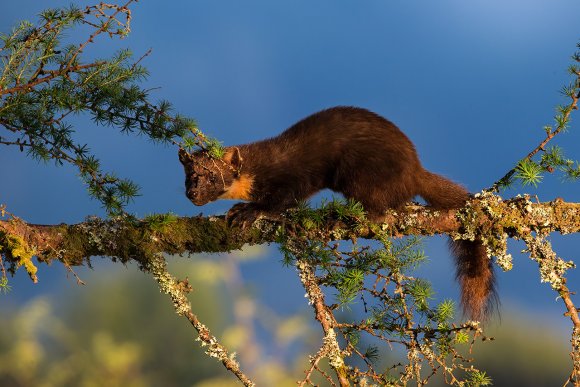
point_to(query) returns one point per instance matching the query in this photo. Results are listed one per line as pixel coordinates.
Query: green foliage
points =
(478, 379)
(529, 172)
(347, 211)
(553, 158)
(462, 337)
(4, 285)
(445, 311)
(408, 253)
(197, 140)
(215, 148)
(422, 292)
(44, 82)
(349, 283)
(188, 143)
(372, 354)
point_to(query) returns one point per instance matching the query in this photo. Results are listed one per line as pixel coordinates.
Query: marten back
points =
(348, 150)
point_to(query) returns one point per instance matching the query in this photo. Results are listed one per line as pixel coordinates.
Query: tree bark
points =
(124, 240)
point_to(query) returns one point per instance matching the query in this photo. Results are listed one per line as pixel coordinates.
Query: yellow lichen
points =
(17, 248)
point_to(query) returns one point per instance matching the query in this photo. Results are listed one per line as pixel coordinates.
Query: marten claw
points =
(243, 215)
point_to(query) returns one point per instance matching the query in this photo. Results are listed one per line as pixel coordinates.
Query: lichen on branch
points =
(127, 239)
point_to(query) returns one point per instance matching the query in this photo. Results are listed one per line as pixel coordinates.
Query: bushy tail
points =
(440, 192)
(474, 269)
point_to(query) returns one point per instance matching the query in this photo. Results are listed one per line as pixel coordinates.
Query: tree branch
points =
(126, 240)
(330, 348)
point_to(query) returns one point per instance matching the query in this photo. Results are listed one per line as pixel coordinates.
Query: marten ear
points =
(234, 158)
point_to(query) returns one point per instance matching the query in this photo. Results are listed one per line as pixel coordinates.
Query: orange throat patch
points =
(240, 188)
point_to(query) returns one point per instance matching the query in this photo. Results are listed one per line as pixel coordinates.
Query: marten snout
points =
(202, 188)
(192, 195)
(192, 192)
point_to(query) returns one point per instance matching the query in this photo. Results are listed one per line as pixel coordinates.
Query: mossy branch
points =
(127, 239)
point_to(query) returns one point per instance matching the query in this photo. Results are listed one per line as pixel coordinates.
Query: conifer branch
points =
(43, 82)
(562, 120)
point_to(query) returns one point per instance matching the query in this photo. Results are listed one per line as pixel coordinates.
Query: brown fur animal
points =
(348, 150)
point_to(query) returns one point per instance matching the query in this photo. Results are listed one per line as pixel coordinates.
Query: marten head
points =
(208, 178)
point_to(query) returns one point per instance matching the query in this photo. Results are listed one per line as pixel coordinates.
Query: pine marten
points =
(349, 150)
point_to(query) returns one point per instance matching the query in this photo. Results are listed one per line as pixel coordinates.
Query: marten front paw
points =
(243, 215)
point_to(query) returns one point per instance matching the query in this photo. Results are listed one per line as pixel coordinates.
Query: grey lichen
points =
(504, 261)
(498, 249)
(552, 267)
(332, 350)
(168, 284)
(102, 234)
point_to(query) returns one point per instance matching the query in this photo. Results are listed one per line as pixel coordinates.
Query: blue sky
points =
(471, 83)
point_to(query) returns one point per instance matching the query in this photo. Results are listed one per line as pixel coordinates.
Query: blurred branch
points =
(552, 270)
(177, 291)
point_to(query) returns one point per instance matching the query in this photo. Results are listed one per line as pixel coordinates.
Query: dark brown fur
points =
(348, 150)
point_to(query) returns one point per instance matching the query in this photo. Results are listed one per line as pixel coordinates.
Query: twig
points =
(119, 9)
(52, 74)
(549, 135)
(140, 59)
(70, 269)
(314, 360)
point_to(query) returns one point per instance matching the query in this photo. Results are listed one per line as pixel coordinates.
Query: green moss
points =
(160, 222)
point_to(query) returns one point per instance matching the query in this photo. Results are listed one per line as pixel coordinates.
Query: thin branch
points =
(118, 9)
(552, 270)
(177, 291)
(325, 317)
(314, 360)
(549, 136)
(52, 74)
